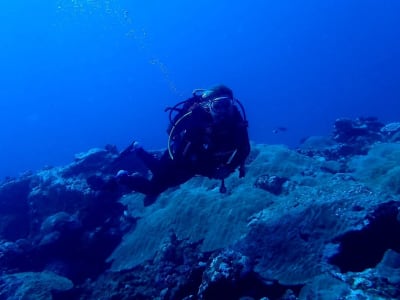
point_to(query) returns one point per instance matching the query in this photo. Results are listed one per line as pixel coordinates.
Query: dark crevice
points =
(192, 285)
(249, 286)
(364, 249)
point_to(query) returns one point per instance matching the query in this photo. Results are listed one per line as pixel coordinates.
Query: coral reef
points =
(318, 222)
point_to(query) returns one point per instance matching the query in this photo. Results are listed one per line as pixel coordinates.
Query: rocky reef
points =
(318, 222)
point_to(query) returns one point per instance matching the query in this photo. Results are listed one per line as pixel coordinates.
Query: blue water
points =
(79, 74)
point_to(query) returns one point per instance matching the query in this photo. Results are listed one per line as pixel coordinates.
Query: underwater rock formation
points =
(319, 222)
(32, 285)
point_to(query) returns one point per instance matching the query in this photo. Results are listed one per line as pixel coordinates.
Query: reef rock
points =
(319, 222)
(29, 285)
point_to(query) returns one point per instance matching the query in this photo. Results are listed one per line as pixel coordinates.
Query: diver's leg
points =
(169, 174)
(136, 183)
(160, 181)
(149, 159)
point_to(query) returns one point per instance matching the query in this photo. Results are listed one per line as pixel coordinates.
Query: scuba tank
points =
(183, 110)
(183, 107)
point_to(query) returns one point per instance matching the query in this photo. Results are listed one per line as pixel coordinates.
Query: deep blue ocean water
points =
(80, 74)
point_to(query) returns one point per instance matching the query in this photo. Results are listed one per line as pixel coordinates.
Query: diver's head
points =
(219, 100)
(217, 91)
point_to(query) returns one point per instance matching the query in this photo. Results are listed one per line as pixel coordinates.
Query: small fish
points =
(279, 129)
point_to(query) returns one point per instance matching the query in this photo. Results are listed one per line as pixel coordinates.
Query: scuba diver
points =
(207, 136)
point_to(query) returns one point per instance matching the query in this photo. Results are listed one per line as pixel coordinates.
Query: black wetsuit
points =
(203, 146)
